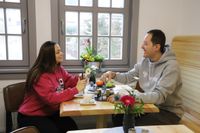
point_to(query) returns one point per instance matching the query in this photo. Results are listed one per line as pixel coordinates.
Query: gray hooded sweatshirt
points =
(161, 82)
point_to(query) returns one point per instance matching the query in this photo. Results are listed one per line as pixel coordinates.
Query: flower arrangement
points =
(90, 55)
(127, 105)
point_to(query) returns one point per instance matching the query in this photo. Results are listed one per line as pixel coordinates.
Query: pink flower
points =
(126, 105)
(127, 100)
(86, 42)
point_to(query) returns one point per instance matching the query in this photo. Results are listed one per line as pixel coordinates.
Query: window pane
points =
(103, 3)
(2, 21)
(13, 19)
(103, 24)
(14, 48)
(71, 2)
(2, 48)
(103, 46)
(71, 19)
(116, 48)
(86, 23)
(86, 3)
(118, 3)
(71, 47)
(16, 1)
(117, 25)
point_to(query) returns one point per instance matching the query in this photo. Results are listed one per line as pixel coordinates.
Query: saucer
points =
(78, 95)
(91, 102)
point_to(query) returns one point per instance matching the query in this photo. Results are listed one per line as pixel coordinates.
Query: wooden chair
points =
(28, 129)
(13, 97)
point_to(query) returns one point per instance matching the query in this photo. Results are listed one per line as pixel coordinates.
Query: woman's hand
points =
(82, 76)
(81, 84)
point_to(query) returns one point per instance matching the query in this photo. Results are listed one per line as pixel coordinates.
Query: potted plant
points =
(90, 57)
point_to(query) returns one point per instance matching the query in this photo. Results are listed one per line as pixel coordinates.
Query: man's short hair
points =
(158, 37)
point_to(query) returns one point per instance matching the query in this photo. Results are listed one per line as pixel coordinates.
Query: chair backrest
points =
(13, 97)
(28, 129)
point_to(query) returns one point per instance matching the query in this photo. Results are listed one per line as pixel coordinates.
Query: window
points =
(12, 33)
(14, 41)
(105, 22)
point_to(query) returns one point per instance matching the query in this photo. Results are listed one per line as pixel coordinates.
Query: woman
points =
(47, 85)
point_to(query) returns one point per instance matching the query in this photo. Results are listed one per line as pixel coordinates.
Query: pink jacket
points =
(50, 90)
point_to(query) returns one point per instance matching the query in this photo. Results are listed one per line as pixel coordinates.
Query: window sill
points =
(10, 74)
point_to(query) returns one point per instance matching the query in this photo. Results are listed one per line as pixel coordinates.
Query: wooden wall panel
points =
(187, 50)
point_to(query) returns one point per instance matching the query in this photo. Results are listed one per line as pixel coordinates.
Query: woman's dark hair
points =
(45, 62)
(158, 37)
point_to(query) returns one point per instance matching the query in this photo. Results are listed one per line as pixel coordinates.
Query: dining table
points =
(140, 129)
(100, 109)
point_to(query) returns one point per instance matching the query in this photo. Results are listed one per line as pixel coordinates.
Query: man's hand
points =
(111, 99)
(107, 76)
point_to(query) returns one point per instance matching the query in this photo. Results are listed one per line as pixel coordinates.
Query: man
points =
(159, 79)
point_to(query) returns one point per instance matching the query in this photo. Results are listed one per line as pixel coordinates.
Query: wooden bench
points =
(187, 50)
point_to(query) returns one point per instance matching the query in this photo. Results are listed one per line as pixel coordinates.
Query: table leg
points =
(101, 121)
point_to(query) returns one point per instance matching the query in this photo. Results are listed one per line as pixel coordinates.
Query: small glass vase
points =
(92, 78)
(128, 122)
